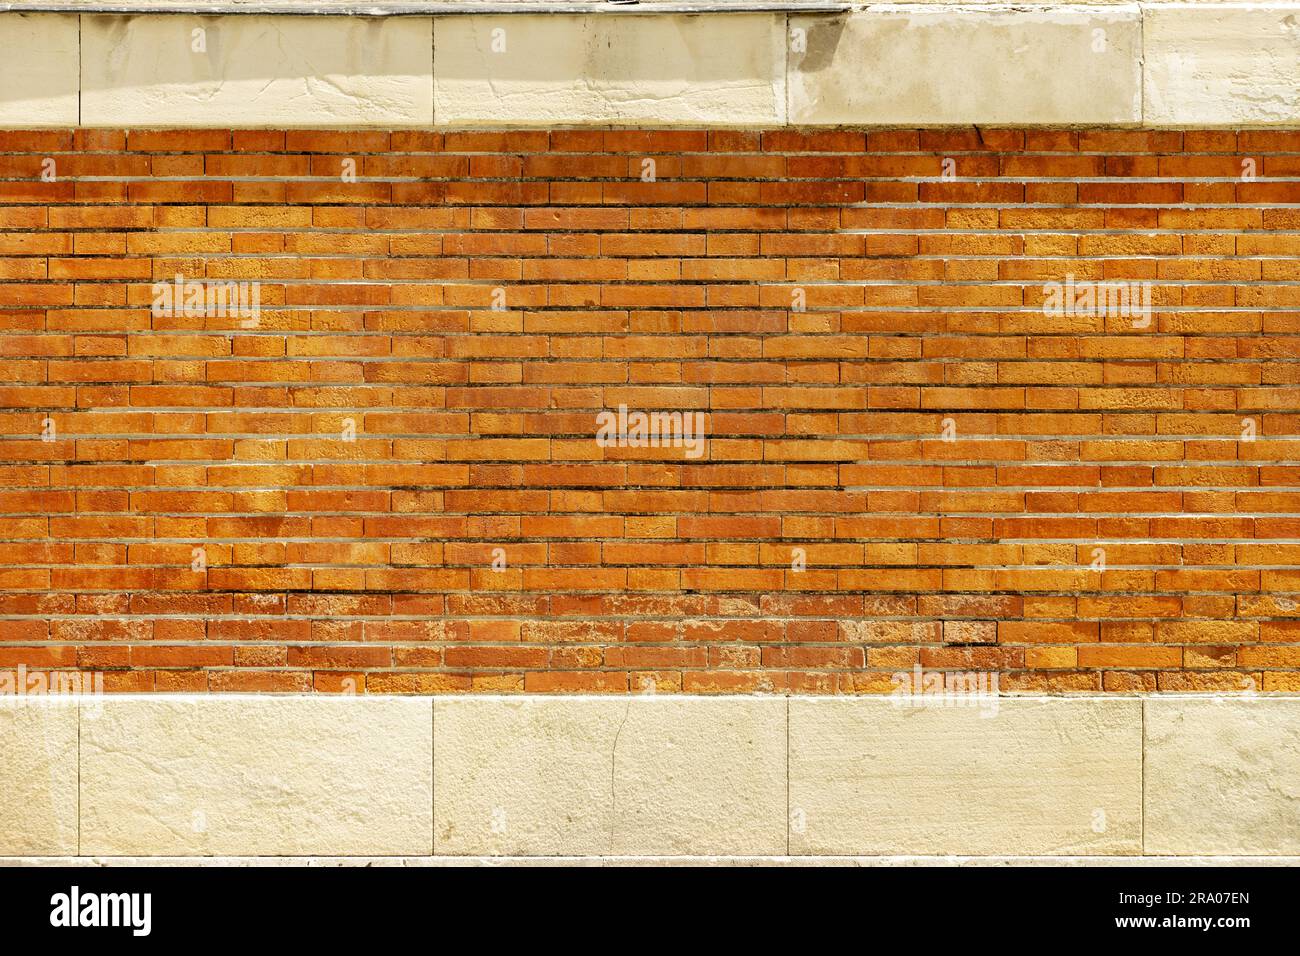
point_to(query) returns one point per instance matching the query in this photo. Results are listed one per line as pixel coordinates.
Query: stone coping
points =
(386, 8)
(1153, 64)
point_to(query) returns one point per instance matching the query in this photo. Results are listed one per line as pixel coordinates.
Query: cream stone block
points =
(38, 71)
(551, 776)
(256, 71)
(258, 775)
(1222, 776)
(1034, 776)
(648, 70)
(1222, 65)
(924, 65)
(38, 776)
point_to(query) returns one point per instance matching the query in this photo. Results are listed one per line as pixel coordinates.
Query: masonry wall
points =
(390, 479)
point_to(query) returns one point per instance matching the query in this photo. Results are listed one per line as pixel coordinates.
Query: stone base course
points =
(1072, 779)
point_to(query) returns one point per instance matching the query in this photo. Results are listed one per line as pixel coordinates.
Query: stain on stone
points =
(823, 40)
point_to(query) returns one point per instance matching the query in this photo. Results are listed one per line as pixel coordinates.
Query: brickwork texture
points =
(1009, 401)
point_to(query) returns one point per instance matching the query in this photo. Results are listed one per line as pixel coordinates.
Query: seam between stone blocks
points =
(785, 73)
(80, 54)
(79, 781)
(433, 777)
(1142, 784)
(1142, 81)
(787, 777)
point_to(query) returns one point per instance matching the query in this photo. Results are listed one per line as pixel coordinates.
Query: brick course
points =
(860, 322)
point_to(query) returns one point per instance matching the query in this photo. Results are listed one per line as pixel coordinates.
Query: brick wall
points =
(1077, 498)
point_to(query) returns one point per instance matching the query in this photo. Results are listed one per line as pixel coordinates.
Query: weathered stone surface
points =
(258, 775)
(642, 775)
(930, 66)
(644, 70)
(38, 776)
(1222, 776)
(649, 776)
(691, 860)
(305, 72)
(1040, 776)
(524, 776)
(922, 63)
(1212, 65)
(39, 70)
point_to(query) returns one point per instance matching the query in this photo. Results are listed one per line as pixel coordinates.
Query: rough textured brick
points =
(391, 480)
